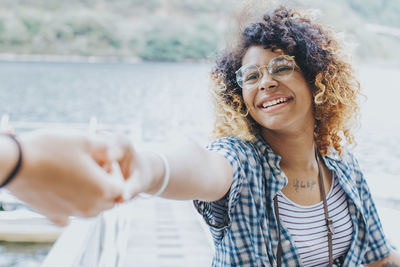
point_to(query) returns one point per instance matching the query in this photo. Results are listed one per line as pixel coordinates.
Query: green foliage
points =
(168, 30)
(202, 6)
(32, 25)
(168, 43)
(1, 31)
(94, 31)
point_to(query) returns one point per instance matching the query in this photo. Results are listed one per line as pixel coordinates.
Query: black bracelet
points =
(17, 166)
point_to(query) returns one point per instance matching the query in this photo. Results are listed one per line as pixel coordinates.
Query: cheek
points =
(302, 92)
(248, 99)
(308, 96)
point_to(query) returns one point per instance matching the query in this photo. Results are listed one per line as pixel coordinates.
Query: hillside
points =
(172, 30)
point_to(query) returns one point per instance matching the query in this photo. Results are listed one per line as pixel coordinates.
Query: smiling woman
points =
(306, 102)
(278, 186)
(318, 56)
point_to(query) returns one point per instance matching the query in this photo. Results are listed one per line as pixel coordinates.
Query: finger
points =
(110, 148)
(108, 167)
(126, 166)
(102, 188)
(102, 205)
(122, 151)
(119, 199)
(107, 204)
(132, 187)
(115, 147)
(111, 183)
(99, 149)
(60, 221)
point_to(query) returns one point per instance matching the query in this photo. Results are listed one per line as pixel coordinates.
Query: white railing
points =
(5, 124)
(100, 242)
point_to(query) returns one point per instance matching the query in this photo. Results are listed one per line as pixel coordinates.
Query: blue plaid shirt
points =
(243, 223)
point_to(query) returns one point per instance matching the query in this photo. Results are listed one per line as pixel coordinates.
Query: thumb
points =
(60, 221)
(115, 148)
(132, 186)
(112, 181)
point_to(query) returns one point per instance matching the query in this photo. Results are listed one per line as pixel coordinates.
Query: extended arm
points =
(196, 173)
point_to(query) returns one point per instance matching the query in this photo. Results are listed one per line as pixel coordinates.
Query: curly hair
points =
(324, 64)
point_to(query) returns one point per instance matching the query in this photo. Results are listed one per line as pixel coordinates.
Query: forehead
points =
(258, 55)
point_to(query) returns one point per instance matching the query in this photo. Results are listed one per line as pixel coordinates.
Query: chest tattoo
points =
(302, 185)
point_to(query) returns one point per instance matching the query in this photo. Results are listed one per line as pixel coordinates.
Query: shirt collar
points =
(345, 177)
(333, 161)
(266, 150)
(276, 175)
(333, 156)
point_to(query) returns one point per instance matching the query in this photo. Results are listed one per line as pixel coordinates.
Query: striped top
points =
(306, 224)
(243, 223)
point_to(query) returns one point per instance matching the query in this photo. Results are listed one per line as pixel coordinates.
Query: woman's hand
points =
(147, 174)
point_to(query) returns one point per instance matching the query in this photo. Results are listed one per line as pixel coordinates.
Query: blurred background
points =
(173, 30)
(141, 67)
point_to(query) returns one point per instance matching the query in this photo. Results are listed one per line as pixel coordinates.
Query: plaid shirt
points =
(243, 223)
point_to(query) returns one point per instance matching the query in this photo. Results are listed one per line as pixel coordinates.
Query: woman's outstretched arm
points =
(195, 173)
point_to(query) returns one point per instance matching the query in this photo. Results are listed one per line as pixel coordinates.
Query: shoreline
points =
(53, 58)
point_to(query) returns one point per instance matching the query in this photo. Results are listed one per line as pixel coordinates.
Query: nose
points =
(266, 81)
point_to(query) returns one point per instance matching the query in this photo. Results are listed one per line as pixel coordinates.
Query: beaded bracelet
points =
(17, 167)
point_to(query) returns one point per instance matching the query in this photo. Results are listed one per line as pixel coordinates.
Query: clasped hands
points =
(74, 174)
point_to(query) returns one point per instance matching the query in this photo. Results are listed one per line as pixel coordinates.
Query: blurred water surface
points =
(161, 98)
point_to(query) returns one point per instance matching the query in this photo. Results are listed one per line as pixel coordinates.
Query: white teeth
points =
(274, 102)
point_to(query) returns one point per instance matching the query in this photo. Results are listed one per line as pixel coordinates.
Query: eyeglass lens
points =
(280, 68)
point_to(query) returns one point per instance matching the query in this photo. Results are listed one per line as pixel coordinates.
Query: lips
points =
(273, 101)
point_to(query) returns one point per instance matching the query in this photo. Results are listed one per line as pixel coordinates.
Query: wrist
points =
(158, 169)
(31, 161)
(8, 156)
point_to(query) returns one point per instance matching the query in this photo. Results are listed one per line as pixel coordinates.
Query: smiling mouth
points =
(276, 102)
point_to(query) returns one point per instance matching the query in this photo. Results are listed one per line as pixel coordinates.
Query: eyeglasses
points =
(279, 68)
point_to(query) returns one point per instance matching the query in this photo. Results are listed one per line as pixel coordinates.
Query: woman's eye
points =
(251, 77)
(281, 69)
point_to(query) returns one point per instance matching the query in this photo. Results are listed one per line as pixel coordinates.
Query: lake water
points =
(157, 100)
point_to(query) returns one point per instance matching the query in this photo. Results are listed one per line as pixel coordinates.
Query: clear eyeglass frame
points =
(280, 68)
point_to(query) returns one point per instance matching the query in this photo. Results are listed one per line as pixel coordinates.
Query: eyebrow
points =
(284, 56)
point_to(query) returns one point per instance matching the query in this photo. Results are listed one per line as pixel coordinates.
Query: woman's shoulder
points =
(348, 164)
(232, 142)
(243, 149)
(346, 159)
(349, 161)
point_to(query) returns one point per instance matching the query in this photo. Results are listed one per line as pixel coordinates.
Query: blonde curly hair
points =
(323, 61)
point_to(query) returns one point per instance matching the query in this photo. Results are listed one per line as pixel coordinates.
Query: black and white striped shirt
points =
(306, 224)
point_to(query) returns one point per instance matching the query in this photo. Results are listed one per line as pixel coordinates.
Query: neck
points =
(297, 150)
